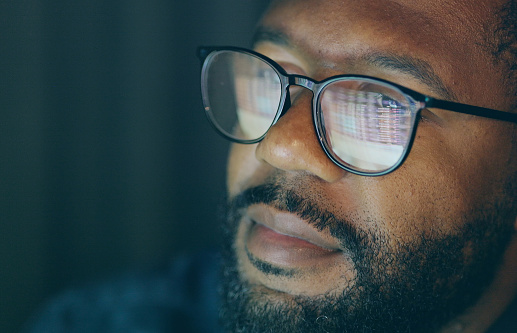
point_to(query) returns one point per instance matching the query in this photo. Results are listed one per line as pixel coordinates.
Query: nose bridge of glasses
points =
(302, 81)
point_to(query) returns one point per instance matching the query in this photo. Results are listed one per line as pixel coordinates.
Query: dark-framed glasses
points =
(364, 124)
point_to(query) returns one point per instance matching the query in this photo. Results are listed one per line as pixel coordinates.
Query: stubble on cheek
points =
(408, 284)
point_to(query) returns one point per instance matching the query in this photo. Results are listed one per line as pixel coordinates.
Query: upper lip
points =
(290, 225)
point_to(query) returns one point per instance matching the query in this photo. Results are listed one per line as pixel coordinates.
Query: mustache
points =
(289, 200)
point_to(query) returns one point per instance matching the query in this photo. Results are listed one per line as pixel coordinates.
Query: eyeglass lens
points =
(365, 124)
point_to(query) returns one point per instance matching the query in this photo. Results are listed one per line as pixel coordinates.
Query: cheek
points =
(449, 178)
(243, 168)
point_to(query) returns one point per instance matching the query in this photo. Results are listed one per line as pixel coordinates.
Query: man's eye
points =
(385, 101)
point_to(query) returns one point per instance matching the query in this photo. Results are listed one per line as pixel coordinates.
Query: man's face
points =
(315, 247)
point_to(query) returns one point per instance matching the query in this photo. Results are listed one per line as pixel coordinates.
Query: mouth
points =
(284, 240)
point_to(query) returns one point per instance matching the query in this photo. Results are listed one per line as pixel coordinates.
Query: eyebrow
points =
(414, 67)
(265, 34)
(417, 68)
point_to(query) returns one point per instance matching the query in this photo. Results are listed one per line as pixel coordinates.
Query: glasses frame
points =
(418, 100)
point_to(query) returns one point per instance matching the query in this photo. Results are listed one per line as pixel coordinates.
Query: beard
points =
(415, 287)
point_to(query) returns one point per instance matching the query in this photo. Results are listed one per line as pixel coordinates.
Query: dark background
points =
(106, 160)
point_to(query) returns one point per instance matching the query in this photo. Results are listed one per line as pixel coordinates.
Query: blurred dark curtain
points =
(107, 162)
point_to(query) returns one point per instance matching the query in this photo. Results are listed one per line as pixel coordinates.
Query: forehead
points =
(451, 36)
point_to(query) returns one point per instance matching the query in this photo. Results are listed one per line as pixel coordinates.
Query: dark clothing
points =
(508, 321)
(180, 298)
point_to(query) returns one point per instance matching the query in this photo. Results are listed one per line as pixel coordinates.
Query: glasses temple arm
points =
(470, 109)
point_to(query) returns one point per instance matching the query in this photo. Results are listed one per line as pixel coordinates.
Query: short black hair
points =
(505, 48)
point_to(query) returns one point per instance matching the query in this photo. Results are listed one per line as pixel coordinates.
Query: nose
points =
(292, 144)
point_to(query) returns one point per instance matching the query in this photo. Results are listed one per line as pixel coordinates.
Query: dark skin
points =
(461, 168)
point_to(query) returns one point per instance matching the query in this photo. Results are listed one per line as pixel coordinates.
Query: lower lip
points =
(286, 251)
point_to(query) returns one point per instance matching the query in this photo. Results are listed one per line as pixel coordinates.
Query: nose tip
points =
(292, 144)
